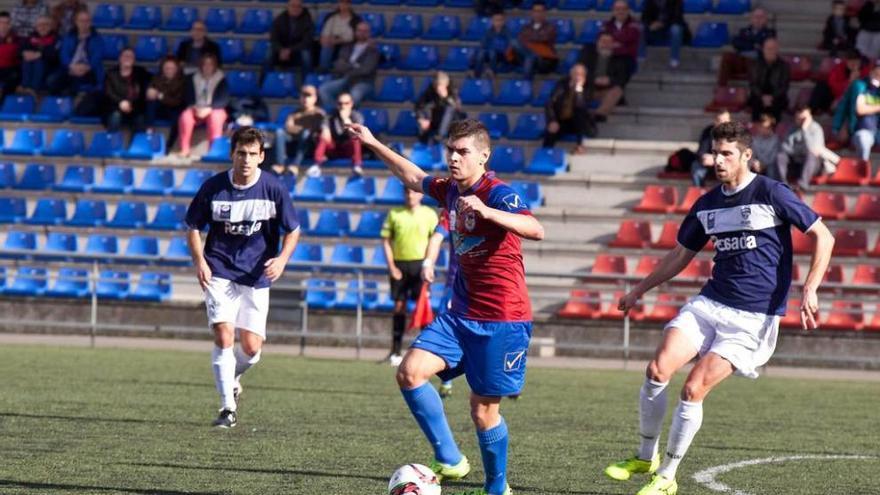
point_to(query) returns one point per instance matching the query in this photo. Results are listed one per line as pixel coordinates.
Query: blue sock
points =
(427, 407)
(493, 447)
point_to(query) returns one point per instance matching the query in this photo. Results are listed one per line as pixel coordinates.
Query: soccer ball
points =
(414, 479)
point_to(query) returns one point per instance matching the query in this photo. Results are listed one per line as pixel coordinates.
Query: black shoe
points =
(226, 419)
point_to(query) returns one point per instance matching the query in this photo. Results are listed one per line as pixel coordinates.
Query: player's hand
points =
(203, 273)
(428, 274)
(809, 309)
(361, 133)
(395, 273)
(628, 301)
(470, 203)
(274, 268)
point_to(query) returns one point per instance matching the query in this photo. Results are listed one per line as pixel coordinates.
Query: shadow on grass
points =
(32, 485)
(273, 388)
(94, 420)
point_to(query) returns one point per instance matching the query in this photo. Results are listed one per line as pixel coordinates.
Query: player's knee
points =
(656, 373)
(251, 347)
(693, 391)
(484, 416)
(408, 377)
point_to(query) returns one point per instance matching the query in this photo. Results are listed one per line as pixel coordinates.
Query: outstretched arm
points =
(405, 170)
(824, 242)
(670, 266)
(525, 226)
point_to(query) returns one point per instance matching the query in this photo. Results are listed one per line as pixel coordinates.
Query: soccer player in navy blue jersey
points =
(247, 213)
(732, 325)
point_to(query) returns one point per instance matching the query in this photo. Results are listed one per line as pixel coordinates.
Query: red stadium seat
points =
(844, 315)
(646, 265)
(830, 205)
(795, 273)
(665, 307)
(801, 243)
(668, 236)
(867, 208)
(632, 234)
(792, 318)
(697, 271)
(610, 311)
(581, 304)
(874, 325)
(875, 253)
(866, 275)
(690, 197)
(607, 264)
(850, 242)
(800, 67)
(658, 199)
(825, 67)
(833, 275)
(876, 180)
(733, 99)
(850, 172)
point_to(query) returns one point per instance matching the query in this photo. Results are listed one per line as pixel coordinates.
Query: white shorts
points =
(744, 338)
(245, 306)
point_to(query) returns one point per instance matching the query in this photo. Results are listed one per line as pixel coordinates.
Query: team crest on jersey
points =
(470, 221)
(513, 202)
(453, 216)
(225, 212)
(745, 211)
(710, 221)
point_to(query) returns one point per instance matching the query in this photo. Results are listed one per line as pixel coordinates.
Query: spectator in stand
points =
(535, 44)
(746, 44)
(769, 82)
(827, 93)
(39, 54)
(190, 50)
(868, 38)
(207, 95)
(494, 48)
(486, 8)
(82, 66)
(166, 96)
(663, 22)
(607, 74)
(568, 110)
(866, 96)
(765, 144)
(338, 30)
(802, 151)
(292, 37)
(436, 108)
(25, 14)
(354, 70)
(838, 35)
(847, 118)
(64, 14)
(125, 89)
(626, 33)
(10, 63)
(335, 142)
(703, 168)
(299, 137)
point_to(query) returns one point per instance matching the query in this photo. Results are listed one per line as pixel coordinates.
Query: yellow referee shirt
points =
(409, 231)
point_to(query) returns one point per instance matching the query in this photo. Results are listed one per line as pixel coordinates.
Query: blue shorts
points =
(491, 354)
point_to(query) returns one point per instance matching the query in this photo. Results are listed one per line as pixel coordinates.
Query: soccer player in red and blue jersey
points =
(485, 334)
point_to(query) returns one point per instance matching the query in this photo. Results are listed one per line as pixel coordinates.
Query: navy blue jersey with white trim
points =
(751, 229)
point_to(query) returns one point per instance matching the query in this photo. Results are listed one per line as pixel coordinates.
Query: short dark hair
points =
(733, 132)
(800, 107)
(246, 135)
(5, 14)
(470, 127)
(838, 2)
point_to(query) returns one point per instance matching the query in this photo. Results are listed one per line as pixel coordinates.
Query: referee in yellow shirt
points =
(405, 235)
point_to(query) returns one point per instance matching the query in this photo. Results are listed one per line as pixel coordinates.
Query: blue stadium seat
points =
(108, 16)
(697, 6)
(99, 245)
(383, 2)
(255, 21)
(458, 3)
(378, 262)
(427, 156)
(191, 183)
(476, 91)
(606, 5)
(320, 294)
(88, 213)
(145, 17)
(564, 30)
(376, 22)
(544, 92)
(424, 3)
(2, 279)
(302, 216)
(331, 223)
(278, 85)
(405, 125)
(152, 287)
(157, 182)
(53, 109)
(113, 45)
(37, 177)
(568, 60)
(19, 241)
(496, 124)
(370, 225)
(476, 28)
(116, 180)
(169, 216)
(29, 281)
(376, 119)
(396, 89)
(357, 189)
(242, 83)
(48, 211)
(129, 215)
(219, 152)
(258, 54)
(112, 284)
(711, 35)
(458, 58)
(514, 92)
(405, 26)
(7, 174)
(181, 18)
(443, 27)
(515, 25)
(732, 7)
(231, 50)
(547, 161)
(150, 48)
(317, 80)
(105, 145)
(392, 193)
(577, 5)
(70, 282)
(66, 143)
(530, 192)
(420, 57)
(305, 253)
(507, 159)
(59, 246)
(12, 210)
(367, 297)
(146, 146)
(590, 30)
(220, 20)
(344, 254)
(26, 142)
(177, 252)
(390, 55)
(16, 108)
(529, 126)
(317, 189)
(143, 249)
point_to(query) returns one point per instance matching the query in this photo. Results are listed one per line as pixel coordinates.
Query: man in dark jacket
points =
(568, 110)
(436, 108)
(292, 37)
(769, 82)
(125, 89)
(82, 67)
(663, 22)
(535, 44)
(746, 44)
(354, 70)
(868, 39)
(39, 53)
(190, 50)
(10, 63)
(626, 33)
(607, 74)
(839, 34)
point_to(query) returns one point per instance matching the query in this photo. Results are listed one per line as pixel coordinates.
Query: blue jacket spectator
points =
(494, 47)
(81, 68)
(751, 38)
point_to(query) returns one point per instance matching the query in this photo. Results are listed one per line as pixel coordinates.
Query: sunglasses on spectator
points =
(308, 95)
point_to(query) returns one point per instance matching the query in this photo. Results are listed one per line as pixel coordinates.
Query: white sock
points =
(223, 361)
(652, 408)
(685, 425)
(243, 362)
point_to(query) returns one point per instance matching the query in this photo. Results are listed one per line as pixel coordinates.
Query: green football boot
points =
(449, 472)
(623, 470)
(659, 486)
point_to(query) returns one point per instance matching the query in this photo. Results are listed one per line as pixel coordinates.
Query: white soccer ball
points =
(414, 479)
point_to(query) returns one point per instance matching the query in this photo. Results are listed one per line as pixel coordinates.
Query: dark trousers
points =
(33, 74)
(9, 79)
(63, 84)
(802, 169)
(821, 98)
(776, 107)
(155, 110)
(115, 119)
(299, 147)
(439, 128)
(581, 125)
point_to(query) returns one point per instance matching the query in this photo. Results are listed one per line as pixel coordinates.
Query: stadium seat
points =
(129, 215)
(590, 30)
(258, 54)
(496, 124)
(850, 242)
(357, 189)
(581, 304)
(112, 284)
(443, 27)
(390, 55)
(427, 156)
(220, 20)
(665, 308)
(145, 17)
(152, 287)
(732, 7)
(255, 21)
(48, 211)
(53, 109)
(646, 265)
(156, 182)
(70, 282)
(36, 177)
(515, 25)
(98, 245)
(564, 30)
(177, 252)
(632, 234)
(378, 263)
(384, 2)
(507, 159)
(366, 295)
(29, 281)
(458, 59)
(830, 205)
(181, 18)
(658, 199)
(370, 225)
(150, 48)
(697, 6)
(544, 92)
(423, 3)
(874, 324)
(66, 143)
(530, 126)
(800, 68)
(711, 35)
(19, 241)
(568, 60)
(729, 98)
(344, 254)
(867, 207)
(17, 108)
(396, 89)
(278, 85)
(141, 249)
(668, 236)
(610, 309)
(405, 26)
(12, 210)
(7, 174)
(476, 29)
(546, 161)
(302, 216)
(317, 189)
(697, 271)
(392, 193)
(420, 57)
(833, 275)
(691, 196)
(242, 83)
(231, 50)
(88, 213)
(113, 45)
(26, 142)
(476, 91)
(376, 119)
(514, 92)
(577, 5)
(866, 275)
(320, 294)
(59, 246)
(116, 180)
(530, 192)
(331, 223)
(146, 146)
(801, 243)
(376, 22)
(108, 16)
(850, 172)
(191, 183)
(169, 216)
(844, 315)
(608, 264)
(219, 152)
(306, 253)
(405, 125)
(105, 145)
